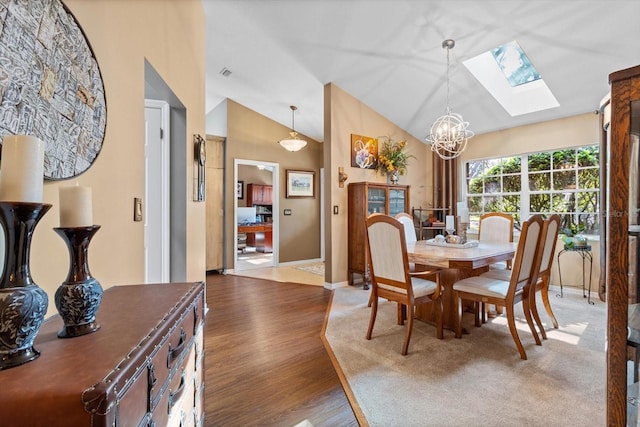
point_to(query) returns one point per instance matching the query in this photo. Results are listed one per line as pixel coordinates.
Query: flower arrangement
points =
(392, 158)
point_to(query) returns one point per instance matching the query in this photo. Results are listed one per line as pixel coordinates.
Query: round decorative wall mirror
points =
(50, 85)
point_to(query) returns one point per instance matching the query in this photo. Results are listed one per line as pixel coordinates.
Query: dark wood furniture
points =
(261, 196)
(364, 199)
(621, 154)
(143, 367)
(258, 235)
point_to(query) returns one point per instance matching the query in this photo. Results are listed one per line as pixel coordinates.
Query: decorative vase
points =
(393, 177)
(23, 304)
(78, 297)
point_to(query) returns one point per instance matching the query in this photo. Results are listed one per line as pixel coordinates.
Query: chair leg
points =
(536, 316)
(372, 318)
(458, 303)
(402, 313)
(514, 331)
(370, 298)
(407, 337)
(526, 305)
(544, 291)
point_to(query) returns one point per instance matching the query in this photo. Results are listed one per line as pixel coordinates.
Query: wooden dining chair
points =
(409, 226)
(542, 272)
(410, 237)
(496, 227)
(390, 277)
(482, 289)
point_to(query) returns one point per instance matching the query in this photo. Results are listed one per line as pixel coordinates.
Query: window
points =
(564, 181)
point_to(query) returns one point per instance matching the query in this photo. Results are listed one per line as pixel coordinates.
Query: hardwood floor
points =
(265, 363)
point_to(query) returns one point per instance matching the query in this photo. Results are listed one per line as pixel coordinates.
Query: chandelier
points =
(449, 133)
(293, 143)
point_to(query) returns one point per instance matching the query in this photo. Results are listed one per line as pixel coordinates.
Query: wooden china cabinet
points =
(622, 221)
(366, 198)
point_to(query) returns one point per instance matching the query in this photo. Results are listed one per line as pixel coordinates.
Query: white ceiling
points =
(388, 54)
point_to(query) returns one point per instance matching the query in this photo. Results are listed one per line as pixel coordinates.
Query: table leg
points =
(448, 277)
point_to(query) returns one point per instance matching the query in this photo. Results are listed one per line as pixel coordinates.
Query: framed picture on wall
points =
(240, 190)
(300, 184)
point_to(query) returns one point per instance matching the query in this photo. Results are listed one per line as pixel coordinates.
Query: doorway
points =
(255, 214)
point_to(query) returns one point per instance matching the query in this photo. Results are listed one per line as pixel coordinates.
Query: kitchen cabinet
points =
(261, 196)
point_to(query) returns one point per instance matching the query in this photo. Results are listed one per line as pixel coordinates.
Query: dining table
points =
(457, 263)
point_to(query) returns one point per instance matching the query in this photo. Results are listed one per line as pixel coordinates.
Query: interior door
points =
(156, 200)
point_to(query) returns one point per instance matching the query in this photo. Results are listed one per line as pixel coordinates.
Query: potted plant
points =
(572, 238)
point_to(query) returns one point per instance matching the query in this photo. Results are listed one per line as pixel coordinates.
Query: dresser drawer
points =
(174, 349)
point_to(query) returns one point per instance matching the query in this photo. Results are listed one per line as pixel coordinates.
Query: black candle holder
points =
(78, 297)
(23, 304)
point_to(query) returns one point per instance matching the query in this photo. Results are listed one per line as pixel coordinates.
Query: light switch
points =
(137, 209)
(335, 209)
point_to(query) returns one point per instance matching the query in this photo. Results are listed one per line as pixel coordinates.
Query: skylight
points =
(515, 64)
(510, 77)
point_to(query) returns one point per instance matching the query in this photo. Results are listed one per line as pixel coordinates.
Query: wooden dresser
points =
(144, 367)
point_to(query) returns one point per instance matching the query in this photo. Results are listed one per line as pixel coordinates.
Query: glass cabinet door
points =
(376, 200)
(396, 201)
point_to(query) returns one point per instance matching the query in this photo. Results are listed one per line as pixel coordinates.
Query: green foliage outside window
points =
(562, 181)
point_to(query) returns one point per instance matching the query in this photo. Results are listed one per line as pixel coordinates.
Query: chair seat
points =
(421, 287)
(480, 285)
(498, 274)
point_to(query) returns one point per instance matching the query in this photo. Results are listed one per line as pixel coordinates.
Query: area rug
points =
(478, 379)
(317, 268)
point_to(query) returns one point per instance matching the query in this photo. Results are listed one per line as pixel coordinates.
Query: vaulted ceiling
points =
(388, 54)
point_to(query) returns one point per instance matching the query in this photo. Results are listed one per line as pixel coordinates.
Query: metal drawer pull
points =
(196, 319)
(174, 396)
(175, 352)
(152, 376)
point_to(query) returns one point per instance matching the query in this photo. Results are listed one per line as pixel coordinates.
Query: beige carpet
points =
(478, 380)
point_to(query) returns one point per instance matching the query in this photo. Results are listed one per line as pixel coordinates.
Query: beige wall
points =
(251, 136)
(567, 132)
(170, 35)
(345, 115)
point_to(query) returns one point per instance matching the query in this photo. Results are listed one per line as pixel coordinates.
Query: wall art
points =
(50, 85)
(364, 152)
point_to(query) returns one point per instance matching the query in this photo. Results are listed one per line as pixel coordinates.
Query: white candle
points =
(449, 223)
(22, 171)
(75, 207)
(464, 215)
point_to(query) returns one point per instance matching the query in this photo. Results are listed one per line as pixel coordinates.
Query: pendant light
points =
(293, 143)
(449, 134)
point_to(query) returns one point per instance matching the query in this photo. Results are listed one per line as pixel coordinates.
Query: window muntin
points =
(564, 181)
